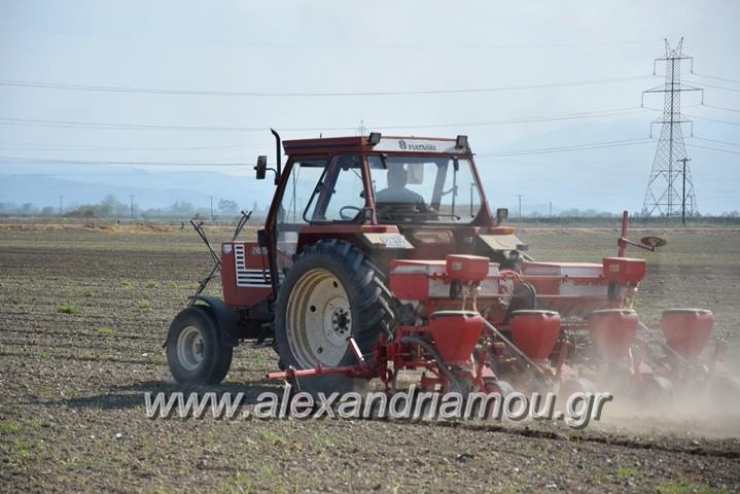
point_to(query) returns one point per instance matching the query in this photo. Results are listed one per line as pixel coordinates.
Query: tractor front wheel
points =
(195, 354)
(332, 291)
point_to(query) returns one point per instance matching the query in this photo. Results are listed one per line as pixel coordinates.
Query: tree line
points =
(111, 207)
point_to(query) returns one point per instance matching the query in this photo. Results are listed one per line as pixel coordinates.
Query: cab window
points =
(339, 193)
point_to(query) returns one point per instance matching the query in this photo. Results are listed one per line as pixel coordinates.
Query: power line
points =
(50, 161)
(189, 92)
(571, 116)
(121, 126)
(714, 149)
(717, 141)
(561, 149)
(723, 179)
(722, 108)
(117, 126)
(129, 174)
(565, 45)
(725, 79)
(734, 90)
(44, 148)
(714, 120)
(435, 47)
(576, 147)
(395, 47)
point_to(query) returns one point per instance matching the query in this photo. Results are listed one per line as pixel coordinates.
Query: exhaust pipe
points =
(278, 155)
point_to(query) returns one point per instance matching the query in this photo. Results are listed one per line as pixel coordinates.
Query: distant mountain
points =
(81, 185)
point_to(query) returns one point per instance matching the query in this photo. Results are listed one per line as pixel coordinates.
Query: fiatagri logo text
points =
(405, 146)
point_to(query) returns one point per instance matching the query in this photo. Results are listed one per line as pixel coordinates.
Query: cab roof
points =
(390, 144)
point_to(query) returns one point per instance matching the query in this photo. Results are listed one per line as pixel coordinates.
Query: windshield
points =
(428, 190)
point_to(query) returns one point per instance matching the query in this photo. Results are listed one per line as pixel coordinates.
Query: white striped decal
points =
(245, 277)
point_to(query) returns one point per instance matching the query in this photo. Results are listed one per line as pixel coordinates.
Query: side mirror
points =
(261, 167)
(502, 214)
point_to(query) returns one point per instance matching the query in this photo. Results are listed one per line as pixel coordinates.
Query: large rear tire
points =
(332, 291)
(195, 354)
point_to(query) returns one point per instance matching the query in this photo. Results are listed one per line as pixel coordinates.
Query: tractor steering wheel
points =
(346, 216)
(405, 211)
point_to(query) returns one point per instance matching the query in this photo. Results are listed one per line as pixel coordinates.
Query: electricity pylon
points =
(665, 194)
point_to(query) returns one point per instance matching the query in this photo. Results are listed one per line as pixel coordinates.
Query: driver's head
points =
(397, 177)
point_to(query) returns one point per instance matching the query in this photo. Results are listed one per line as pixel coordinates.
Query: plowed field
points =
(84, 312)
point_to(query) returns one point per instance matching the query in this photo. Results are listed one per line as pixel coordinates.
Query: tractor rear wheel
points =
(195, 354)
(332, 291)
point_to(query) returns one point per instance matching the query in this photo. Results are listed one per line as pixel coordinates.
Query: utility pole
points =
(132, 205)
(520, 205)
(683, 191)
(61, 205)
(361, 130)
(550, 209)
(662, 191)
(211, 208)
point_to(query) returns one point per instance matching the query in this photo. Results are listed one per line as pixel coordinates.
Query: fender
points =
(224, 317)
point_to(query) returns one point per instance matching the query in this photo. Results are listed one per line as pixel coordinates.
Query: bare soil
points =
(72, 385)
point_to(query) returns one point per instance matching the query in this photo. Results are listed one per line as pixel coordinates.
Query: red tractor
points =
(381, 254)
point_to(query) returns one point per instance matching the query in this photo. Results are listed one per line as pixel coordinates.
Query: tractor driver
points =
(396, 192)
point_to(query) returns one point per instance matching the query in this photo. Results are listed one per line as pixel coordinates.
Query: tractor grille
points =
(248, 277)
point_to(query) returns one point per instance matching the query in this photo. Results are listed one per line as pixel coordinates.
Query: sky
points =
(152, 85)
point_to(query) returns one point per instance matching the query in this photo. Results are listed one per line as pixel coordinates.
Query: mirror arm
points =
(277, 176)
(623, 242)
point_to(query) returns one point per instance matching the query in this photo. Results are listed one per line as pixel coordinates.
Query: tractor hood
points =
(386, 240)
(396, 240)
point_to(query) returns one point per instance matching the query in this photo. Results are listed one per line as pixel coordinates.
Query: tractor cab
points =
(408, 197)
